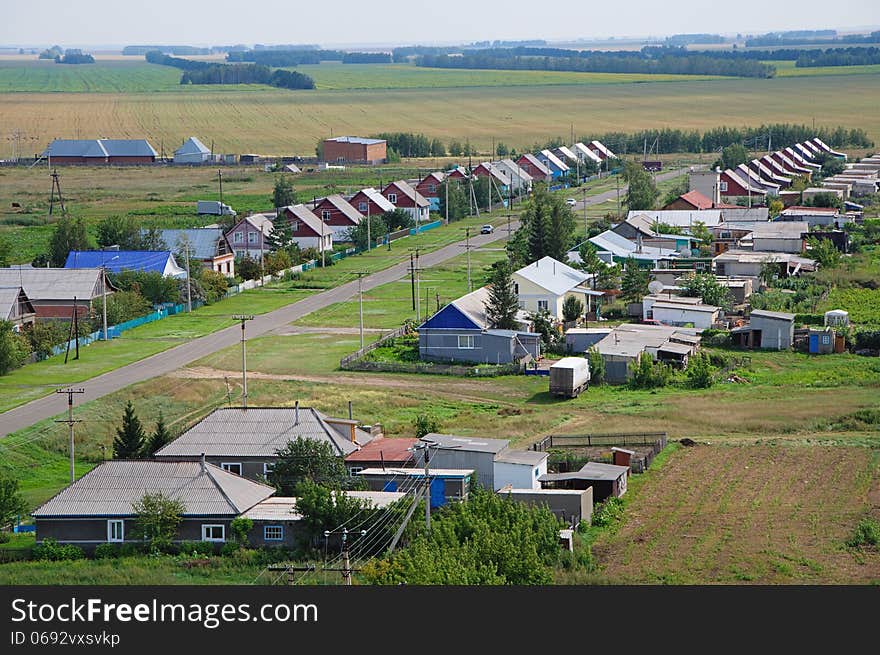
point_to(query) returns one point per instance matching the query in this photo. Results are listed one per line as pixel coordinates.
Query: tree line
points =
(285, 58)
(199, 72)
(838, 57)
(773, 39)
(408, 144)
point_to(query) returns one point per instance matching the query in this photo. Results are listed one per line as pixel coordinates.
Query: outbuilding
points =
(605, 479)
(772, 330)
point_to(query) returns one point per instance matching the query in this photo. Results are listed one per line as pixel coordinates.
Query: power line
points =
(70, 423)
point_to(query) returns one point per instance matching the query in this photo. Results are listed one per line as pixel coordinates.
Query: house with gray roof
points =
(54, 293)
(607, 480)
(462, 333)
(192, 151)
(544, 285)
(626, 343)
(767, 330)
(100, 151)
(245, 441)
(16, 307)
(98, 508)
(615, 249)
(205, 244)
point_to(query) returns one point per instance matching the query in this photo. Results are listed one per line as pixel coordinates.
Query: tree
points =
(12, 505)
(319, 150)
(824, 252)
(572, 309)
(398, 219)
(775, 208)
(160, 437)
(426, 424)
(545, 324)
(280, 238)
(734, 155)
(130, 437)
(283, 194)
(597, 366)
(548, 225)
(707, 287)
(455, 148)
(699, 372)
(437, 148)
(501, 149)
(590, 261)
(122, 231)
(157, 518)
(214, 284)
(14, 348)
(459, 207)
(704, 234)
(608, 277)
(69, 234)
(247, 268)
(377, 229)
(325, 508)
(634, 283)
(642, 192)
(832, 166)
(645, 374)
(502, 304)
(240, 526)
(307, 459)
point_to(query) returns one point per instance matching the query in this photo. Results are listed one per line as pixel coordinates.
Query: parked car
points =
(571, 202)
(487, 229)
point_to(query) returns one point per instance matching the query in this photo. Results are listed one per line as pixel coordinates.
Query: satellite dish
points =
(655, 287)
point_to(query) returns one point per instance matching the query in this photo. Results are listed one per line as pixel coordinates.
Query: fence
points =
(653, 442)
(348, 359)
(490, 370)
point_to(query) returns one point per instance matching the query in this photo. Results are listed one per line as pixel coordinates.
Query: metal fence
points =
(651, 444)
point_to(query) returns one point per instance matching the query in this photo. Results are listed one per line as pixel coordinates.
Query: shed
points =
(578, 340)
(519, 469)
(837, 317)
(606, 480)
(446, 484)
(774, 330)
(192, 151)
(572, 506)
(821, 341)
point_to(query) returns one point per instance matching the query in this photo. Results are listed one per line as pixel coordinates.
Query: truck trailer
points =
(569, 376)
(214, 207)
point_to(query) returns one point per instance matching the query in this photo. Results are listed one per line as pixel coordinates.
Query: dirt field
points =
(756, 514)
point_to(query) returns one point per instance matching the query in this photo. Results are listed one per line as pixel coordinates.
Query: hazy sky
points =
(225, 22)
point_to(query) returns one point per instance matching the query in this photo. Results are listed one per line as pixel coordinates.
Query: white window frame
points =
(354, 470)
(206, 527)
(722, 186)
(545, 307)
(239, 253)
(432, 188)
(392, 198)
(266, 529)
(468, 341)
(110, 525)
(252, 237)
(362, 206)
(294, 226)
(227, 466)
(237, 238)
(326, 215)
(267, 468)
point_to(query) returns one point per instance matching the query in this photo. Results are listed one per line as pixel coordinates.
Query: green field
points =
(788, 69)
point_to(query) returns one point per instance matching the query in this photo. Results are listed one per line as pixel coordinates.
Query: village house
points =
(815, 216)
(116, 261)
(369, 202)
(100, 151)
(520, 180)
(534, 167)
(500, 179)
(780, 236)
(625, 344)
(338, 215)
(565, 155)
(768, 174)
(98, 508)
(245, 441)
(250, 236)
(733, 184)
(192, 151)
(207, 245)
(599, 149)
(308, 230)
(430, 188)
(801, 160)
(750, 264)
(382, 452)
(557, 167)
(585, 154)
(682, 311)
(403, 196)
(615, 249)
(683, 219)
(571, 506)
(446, 485)
(755, 180)
(640, 229)
(461, 332)
(789, 165)
(16, 308)
(606, 480)
(354, 150)
(54, 293)
(767, 330)
(543, 286)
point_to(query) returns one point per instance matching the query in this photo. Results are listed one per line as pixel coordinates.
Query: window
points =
(516, 288)
(267, 468)
(213, 532)
(294, 226)
(362, 207)
(237, 237)
(826, 339)
(239, 253)
(537, 473)
(252, 237)
(543, 306)
(228, 267)
(115, 530)
(231, 467)
(432, 188)
(466, 341)
(325, 214)
(354, 470)
(273, 533)
(722, 186)
(392, 198)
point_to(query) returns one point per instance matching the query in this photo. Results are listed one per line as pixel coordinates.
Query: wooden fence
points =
(346, 361)
(477, 370)
(654, 442)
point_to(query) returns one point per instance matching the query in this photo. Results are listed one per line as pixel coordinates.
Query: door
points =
(391, 485)
(438, 492)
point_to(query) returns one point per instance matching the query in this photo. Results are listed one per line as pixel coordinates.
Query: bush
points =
(229, 548)
(130, 550)
(51, 550)
(106, 551)
(597, 366)
(699, 372)
(196, 548)
(608, 512)
(647, 374)
(867, 533)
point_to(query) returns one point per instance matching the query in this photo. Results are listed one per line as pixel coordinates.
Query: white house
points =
(192, 151)
(672, 312)
(545, 284)
(519, 469)
(585, 154)
(519, 179)
(308, 230)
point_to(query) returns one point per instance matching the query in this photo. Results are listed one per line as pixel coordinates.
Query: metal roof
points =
(526, 457)
(543, 492)
(686, 307)
(375, 197)
(589, 471)
(111, 487)
(556, 277)
(514, 171)
(554, 160)
(119, 260)
(404, 187)
(780, 230)
(677, 348)
(54, 283)
(762, 313)
(203, 241)
(601, 147)
(565, 152)
(586, 152)
(10, 297)
(536, 163)
(622, 247)
(192, 146)
(343, 206)
(467, 444)
(128, 148)
(283, 508)
(680, 217)
(259, 432)
(304, 214)
(417, 472)
(356, 139)
(384, 449)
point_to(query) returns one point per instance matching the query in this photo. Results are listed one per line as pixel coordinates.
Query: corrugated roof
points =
(120, 260)
(514, 171)
(416, 472)
(687, 307)
(376, 198)
(128, 148)
(622, 247)
(554, 160)
(681, 217)
(54, 283)
(406, 189)
(467, 444)
(581, 149)
(565, 152)
(556, 277)
(304, 214)
(259, 432)
(345, 207)
(356, 139)
(389, 450)
(780, 230)
(10, 297)
(536, 163)
(283, 508)
(590, 471)
(75, 148)
(526, 457)
(203, 241)
(763, 313)
(192, 146)
(601, 147)
(111, 487)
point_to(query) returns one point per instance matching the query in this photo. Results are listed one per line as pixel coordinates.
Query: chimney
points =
(204, 468)
(296, 413)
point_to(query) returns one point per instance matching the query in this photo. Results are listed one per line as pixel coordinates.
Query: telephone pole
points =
(244, 393)
(414, 282)
(70, 423)
(56, 184)
(467, 247)
(586, 229)
(360, 275)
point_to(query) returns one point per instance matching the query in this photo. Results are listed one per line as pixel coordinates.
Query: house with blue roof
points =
(461, 332)
(115, 261)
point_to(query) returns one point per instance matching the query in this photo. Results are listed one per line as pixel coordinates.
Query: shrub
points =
(867, 533)
(597, 366)
(130, 550)
(240, 527)
(608, 512)
(715, 338)
(106, 551)
(646, 374)
(229, 548)
(196, 548)
(51, 550)
(699, 372)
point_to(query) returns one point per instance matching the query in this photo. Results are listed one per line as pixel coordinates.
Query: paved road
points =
(169, 360)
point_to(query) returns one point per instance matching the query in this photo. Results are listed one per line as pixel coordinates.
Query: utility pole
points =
(369, 245)
(418, 314)
(446, 192)
(220, 178)
(360, 275)
(412, 280)
(617, 179)
(56, 184)
(262, 267)
(244, 393)
(104, 299)
(467, 241)
(70, 423)
(189, 306)
(586, 229)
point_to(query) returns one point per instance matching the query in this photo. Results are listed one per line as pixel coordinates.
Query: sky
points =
(352, 22)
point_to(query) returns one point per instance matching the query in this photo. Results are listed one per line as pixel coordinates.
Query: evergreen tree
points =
(634, 284)
(536, 222)
(459, 207)
(69, 234)
(160, 437)
(129, 440)
(281, 236)
(561, 226)
(642, 192)
(503, 303)
(283, 193)
(590, 261)
(572, 309)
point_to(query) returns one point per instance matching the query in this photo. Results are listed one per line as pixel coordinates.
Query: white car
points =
(571, 202)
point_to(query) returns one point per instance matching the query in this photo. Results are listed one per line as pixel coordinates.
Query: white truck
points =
(214, 207)
(569, 376)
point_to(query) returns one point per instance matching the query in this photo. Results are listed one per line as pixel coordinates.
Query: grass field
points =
(517, 107)
(748, 514)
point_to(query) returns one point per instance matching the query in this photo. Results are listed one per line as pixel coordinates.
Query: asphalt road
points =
(179, 356)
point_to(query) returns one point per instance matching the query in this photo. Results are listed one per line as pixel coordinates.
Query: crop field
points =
(517, 107)
(788, 69)
(863, 305)
(45, 76)
(756, 514)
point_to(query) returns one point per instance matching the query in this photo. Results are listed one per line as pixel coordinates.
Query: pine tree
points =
(561, 225)
(160, 437)
(634, 284)
(129, 440)
(281, 236)
(283, 193)
(537, 223)
(503, 303)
